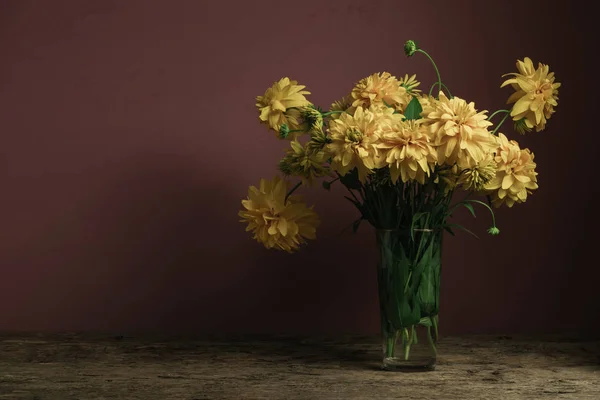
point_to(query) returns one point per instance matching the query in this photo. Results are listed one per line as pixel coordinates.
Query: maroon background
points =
(129, 137)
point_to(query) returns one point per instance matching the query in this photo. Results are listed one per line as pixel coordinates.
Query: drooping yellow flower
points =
(476, 177)
(408, 150)
(536, 94)
(279, 105)
(380, 89)
(354, 139)
(305, 162)
(515, 174)
(275, 222)
(460, 132)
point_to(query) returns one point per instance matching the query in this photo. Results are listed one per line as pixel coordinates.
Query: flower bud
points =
(284, 131)
(410, 47)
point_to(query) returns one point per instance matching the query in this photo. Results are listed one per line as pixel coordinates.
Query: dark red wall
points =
(129, 137)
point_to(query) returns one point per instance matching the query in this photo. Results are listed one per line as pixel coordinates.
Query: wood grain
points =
(93, 367)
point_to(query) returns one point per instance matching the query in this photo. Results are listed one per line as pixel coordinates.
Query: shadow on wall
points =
(153, 243)
(161, 230)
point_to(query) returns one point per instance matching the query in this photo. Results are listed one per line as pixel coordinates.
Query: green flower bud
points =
(494, 231)
(521, 126)
(410, 47)
(284, 131)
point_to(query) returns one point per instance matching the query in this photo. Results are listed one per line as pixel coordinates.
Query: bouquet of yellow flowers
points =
(401, 154)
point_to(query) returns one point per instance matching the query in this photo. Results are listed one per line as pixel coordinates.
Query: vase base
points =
(400, 365)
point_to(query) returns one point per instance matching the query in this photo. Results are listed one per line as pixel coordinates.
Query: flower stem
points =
(431, 341)
(497, 112)
(332, 112)
(500, 124)
(390, 346)
(444, 86)
(407, 341)
(486, 206)
(436, 69)
(292, 191)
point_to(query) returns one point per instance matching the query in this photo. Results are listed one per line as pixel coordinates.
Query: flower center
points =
(354, 135)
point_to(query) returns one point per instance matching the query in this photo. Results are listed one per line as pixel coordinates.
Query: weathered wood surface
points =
(93, 367)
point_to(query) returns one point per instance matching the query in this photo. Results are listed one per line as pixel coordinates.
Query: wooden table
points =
(93, 367)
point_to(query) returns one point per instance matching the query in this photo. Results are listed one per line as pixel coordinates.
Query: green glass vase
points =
(408, 272)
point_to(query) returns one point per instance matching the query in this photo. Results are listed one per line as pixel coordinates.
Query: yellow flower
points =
(344, 104)
(304, 162)
(408, 150)
(354, 139)
(448, 176)
(380, 89)
(312, 119)
(410, 83)
(279, 105)
(515, 174)
(318, 140)
(459, 131)
(425, 100)
(274, 222)
(476, 177)
(536, 94)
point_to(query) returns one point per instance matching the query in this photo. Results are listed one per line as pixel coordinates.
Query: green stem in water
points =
(500, 124)
(292, 191)
(431, 342)
(407, 343)
(390, 346)
(436, 69)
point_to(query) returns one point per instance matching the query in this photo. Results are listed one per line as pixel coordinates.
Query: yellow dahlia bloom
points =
(410, 83)
(278, 106)
(354, 139)
(476, 177)
(380, 89)
(536, 94)
(515, 174)
(275, 223)
(304, 162)
(424, 99)
(312, 119)
(460, 132)
(344, 104)
(408, 150)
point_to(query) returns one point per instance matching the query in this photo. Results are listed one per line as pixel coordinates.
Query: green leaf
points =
(461, 227)
(449, 230)
(425, 321)
(469, 207)
(413, 109)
